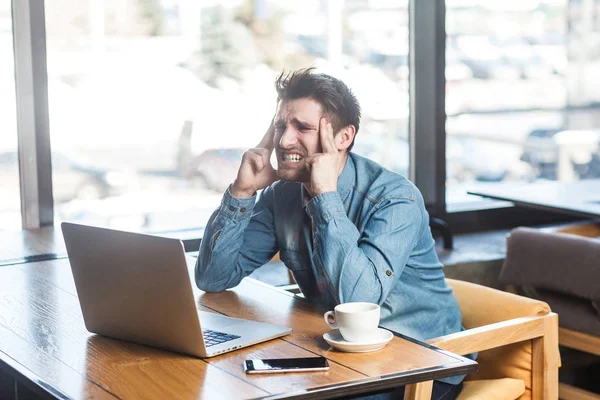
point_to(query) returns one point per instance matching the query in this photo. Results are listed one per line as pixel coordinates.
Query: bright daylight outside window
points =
(10, 208)
(153, 102)
(522, 94)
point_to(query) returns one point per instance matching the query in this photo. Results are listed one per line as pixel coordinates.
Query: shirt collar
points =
(347, 177)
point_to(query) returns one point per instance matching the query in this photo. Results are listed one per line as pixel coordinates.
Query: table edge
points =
(30, 379)
(369, 385)
(542, 207)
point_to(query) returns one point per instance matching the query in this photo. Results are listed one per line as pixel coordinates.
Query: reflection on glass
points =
(153, 102)
(10, 208)
(522, 94)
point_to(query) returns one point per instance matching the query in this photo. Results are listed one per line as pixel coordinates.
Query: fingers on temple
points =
(267, 141)
(255, 157)
(326, 134)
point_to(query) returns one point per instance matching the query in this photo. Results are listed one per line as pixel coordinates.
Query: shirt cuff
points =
(325, 207)
(235, 208)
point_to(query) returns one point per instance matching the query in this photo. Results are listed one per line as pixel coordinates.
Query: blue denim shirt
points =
(369, 241)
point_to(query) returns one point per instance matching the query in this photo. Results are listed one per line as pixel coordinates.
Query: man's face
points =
(296, 137)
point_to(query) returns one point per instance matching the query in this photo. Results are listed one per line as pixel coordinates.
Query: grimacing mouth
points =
(290, 156)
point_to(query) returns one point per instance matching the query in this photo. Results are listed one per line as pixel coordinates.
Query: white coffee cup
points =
(357, 321)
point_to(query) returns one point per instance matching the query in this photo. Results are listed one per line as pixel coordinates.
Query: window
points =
(152, 103)
(10, 208)
(522, 93)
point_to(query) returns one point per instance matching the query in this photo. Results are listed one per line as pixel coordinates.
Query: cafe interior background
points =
(151, 103)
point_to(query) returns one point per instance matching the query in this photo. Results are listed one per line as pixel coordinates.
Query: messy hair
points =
(337, 100)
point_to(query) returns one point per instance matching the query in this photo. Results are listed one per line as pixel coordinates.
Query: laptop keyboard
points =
(212, 338)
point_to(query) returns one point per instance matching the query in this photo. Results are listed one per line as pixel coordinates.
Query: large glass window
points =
(10, 214)
(522, 94)
(152, 102)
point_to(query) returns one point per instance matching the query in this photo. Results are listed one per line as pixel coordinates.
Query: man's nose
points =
(288, 138)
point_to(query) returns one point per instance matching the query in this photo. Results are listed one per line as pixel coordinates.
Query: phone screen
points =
(257, 366)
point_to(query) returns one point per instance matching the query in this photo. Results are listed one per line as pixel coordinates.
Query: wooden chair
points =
(583, 342)
(575, 339)
(561, 269)
(517, 341)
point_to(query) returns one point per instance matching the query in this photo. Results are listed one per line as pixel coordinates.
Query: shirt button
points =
(231, 208)
(243, 209)
(388, 272)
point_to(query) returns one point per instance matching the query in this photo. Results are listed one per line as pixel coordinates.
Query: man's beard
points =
(294, 175)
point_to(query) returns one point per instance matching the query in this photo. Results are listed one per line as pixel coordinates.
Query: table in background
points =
(46, 349)
(581, 198)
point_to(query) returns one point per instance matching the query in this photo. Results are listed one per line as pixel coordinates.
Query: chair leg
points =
(545, 363)
(582, 342)
(418, 391)
(568, 392)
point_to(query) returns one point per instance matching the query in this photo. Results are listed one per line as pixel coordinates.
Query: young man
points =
(347, 228)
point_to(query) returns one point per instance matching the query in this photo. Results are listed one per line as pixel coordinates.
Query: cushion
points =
(575, 313)
(511, 361)
(492, 389)
(553, 261)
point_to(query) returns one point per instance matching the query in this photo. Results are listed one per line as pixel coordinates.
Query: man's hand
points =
(256, 171)
(324, 166)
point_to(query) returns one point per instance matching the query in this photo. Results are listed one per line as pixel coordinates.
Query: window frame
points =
(427, 122)
(427, 27)
(33, 127)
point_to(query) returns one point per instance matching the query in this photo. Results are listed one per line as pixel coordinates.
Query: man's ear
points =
(344, 137)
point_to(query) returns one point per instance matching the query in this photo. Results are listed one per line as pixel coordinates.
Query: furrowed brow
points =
(305, 124)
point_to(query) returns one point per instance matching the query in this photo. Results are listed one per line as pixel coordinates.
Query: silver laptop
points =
(137, 287)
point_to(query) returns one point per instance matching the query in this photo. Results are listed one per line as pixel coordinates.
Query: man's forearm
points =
(361, 266)
(352, 276)
(218, 266)
(336, 243)
(213, 272)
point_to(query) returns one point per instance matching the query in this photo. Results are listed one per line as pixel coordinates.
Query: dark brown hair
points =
(335, 97)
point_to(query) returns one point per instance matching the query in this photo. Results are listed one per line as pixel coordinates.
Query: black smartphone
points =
(272, 365)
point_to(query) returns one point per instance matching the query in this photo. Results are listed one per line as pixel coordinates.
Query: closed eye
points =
(305, 128)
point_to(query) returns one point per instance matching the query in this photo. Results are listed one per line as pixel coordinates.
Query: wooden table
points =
(48, 244)
(45, 349)
(31, 245)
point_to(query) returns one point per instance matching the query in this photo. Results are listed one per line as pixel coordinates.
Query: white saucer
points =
(335, 340)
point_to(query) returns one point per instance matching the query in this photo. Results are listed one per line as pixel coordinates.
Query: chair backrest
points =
(481, 305)
(561, 269)
(557, 262)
